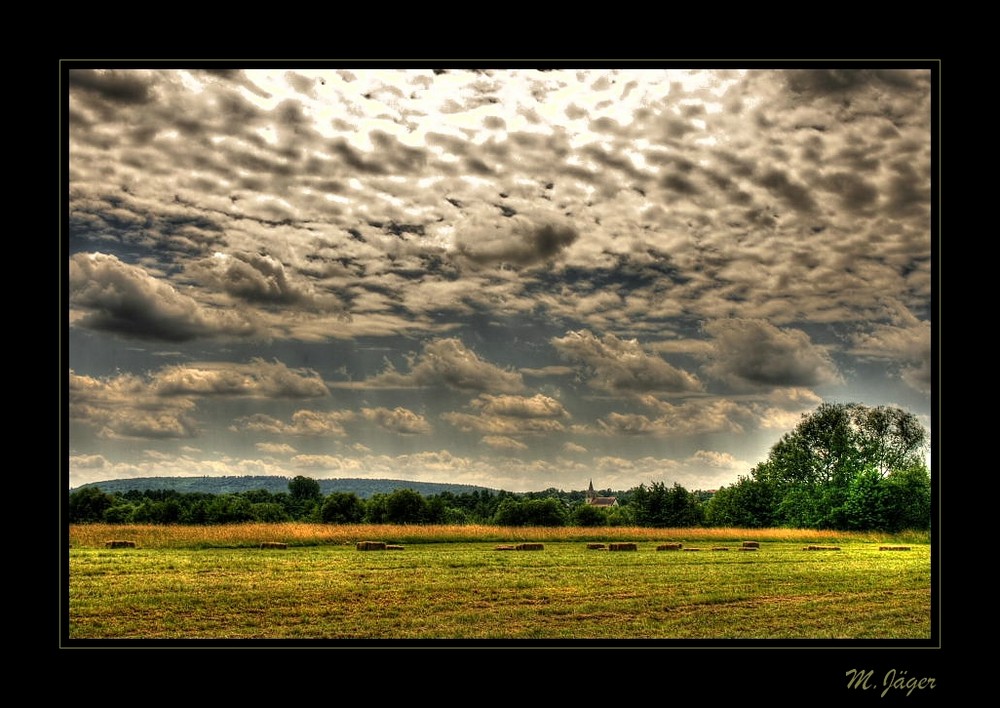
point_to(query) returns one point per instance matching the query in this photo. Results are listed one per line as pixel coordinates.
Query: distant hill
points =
(364, 488)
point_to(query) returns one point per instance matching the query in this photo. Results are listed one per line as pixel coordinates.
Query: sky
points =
(507, 277)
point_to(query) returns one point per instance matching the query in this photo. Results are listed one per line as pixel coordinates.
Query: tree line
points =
(845, 466)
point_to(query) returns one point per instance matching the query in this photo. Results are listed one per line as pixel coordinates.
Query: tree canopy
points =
(844, 466)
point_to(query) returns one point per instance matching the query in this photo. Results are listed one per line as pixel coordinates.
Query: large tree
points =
(843, 466)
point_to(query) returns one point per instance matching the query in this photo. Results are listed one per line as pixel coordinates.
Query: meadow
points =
(451, 583)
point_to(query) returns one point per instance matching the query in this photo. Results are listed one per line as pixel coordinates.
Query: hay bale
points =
(751, 544)
(371, 545)
(669, 547)
(720, 548)
(529, 547)
(747, 548)
(119, 544)
(595, 546)
(393, 547)
(504, 548)
(894, 548)
(821, 548)
(622, 547)
(274, 544)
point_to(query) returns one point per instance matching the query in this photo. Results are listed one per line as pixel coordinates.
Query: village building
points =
(594, 500)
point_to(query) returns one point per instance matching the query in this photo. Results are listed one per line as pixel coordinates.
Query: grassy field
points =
(451, 583)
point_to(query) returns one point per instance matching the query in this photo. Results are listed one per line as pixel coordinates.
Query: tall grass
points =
(306, 534)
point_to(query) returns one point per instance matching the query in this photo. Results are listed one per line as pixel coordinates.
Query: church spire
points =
(590, 491)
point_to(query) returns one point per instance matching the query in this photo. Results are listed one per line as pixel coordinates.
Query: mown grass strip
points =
(463, 591)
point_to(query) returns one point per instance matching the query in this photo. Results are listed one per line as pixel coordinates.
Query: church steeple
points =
(591, 494)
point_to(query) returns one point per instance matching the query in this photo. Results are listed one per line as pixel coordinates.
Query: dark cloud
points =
(754, 353)
(126, 300)
(121, 87)
(795, 195)
(525, 242)
(824, 82)
(856, 195)
(174, 227)
(908, 193)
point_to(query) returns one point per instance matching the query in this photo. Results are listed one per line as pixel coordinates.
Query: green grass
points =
(469, 590)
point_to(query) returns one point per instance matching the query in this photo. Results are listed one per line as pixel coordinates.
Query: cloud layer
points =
(513, 277)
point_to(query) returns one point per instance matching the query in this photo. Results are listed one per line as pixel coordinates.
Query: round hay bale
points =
(894, 548)
(371, 545)
(530, 547)
(504, 548)
(119, 544)
(622, 547)
(595, 546)
(821, 548)
(669, 547)
(751, 544)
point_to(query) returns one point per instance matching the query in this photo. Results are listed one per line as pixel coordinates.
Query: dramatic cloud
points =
(261, 279)
(522, 278)
(125, 300)
(621, 365)
(751, 354)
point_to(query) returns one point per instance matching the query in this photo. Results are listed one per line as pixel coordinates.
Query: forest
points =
(845, 466)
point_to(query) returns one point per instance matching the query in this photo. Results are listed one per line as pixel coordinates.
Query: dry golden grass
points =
(306, 534)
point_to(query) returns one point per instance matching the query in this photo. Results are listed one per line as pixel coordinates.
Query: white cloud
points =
(303, 423)
(398, 420)
(258, 379)
(905, 339)
(448, 362)
(126, 406)
(502, 442)
(275, 448)
(538, 406)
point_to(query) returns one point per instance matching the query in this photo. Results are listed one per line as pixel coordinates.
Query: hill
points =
(364, 488)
